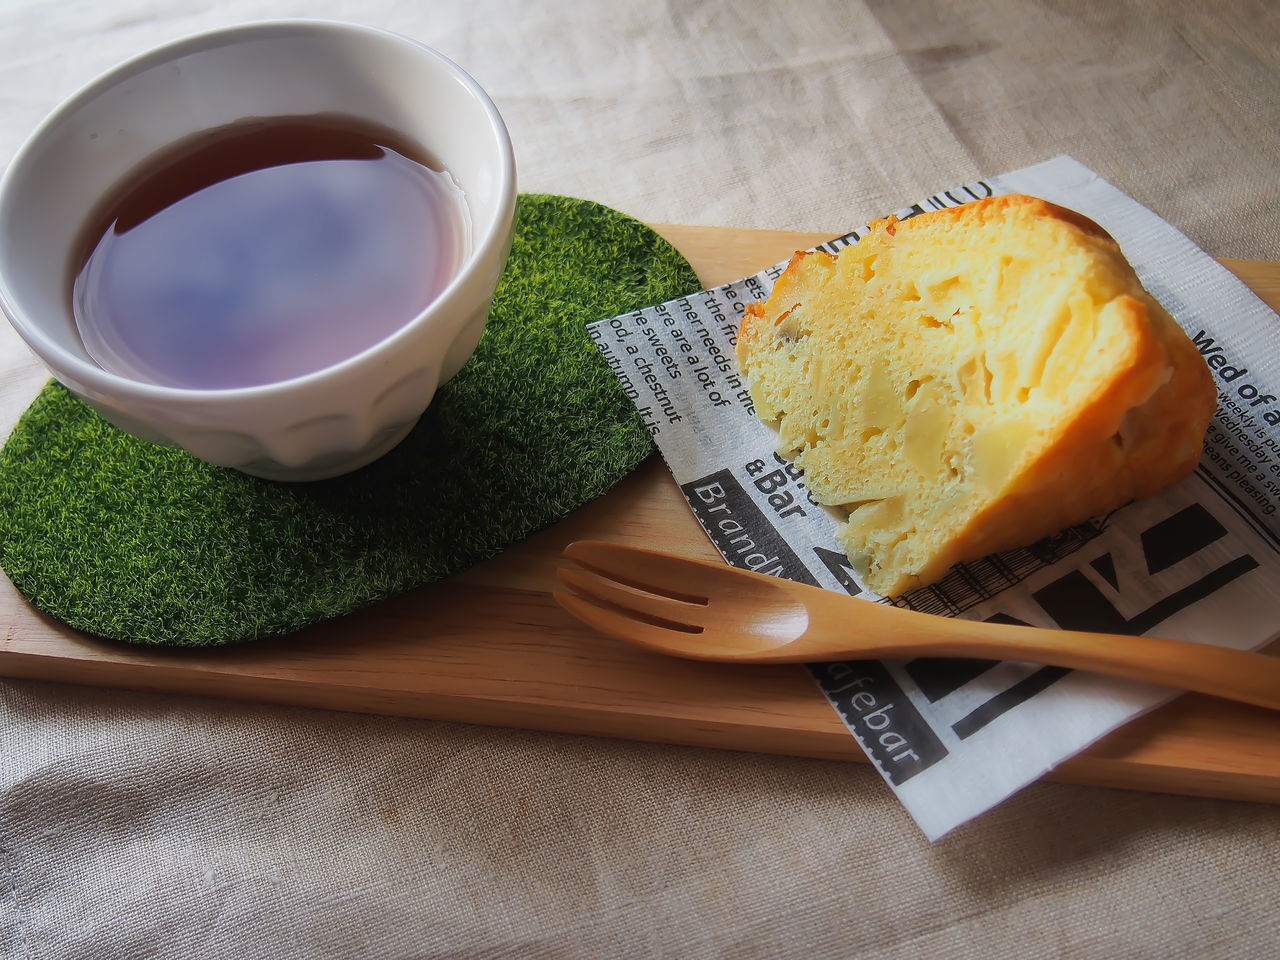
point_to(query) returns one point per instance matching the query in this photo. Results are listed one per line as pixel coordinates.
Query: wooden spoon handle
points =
(1204, 668)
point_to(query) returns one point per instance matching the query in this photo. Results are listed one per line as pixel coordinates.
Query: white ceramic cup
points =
(310, 427)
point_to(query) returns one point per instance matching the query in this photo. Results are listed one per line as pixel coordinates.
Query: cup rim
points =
(106, 383)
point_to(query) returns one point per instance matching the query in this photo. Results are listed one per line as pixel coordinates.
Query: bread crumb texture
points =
(971, 380)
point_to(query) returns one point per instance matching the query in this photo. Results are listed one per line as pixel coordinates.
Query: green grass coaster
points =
(130, 541)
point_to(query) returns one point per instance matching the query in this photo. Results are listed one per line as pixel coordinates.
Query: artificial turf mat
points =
(130, 541)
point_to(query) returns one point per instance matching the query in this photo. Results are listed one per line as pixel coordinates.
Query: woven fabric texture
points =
(138, 825)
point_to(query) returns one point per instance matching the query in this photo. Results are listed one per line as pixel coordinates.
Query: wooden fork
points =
(712, 611)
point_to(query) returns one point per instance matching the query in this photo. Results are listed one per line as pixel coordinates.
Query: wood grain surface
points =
(490, 646)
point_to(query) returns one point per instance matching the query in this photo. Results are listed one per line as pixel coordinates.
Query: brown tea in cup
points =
(265, 250)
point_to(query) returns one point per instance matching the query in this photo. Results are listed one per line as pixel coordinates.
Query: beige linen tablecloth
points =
(156, 826)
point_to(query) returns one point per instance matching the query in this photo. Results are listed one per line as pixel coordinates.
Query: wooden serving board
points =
(490, 646)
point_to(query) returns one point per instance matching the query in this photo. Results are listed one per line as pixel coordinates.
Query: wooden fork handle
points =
(1204, 668)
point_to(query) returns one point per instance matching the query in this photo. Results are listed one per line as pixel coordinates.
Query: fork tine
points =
(644, 597)
(667, 575)
(635, 603)
(620, 625)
